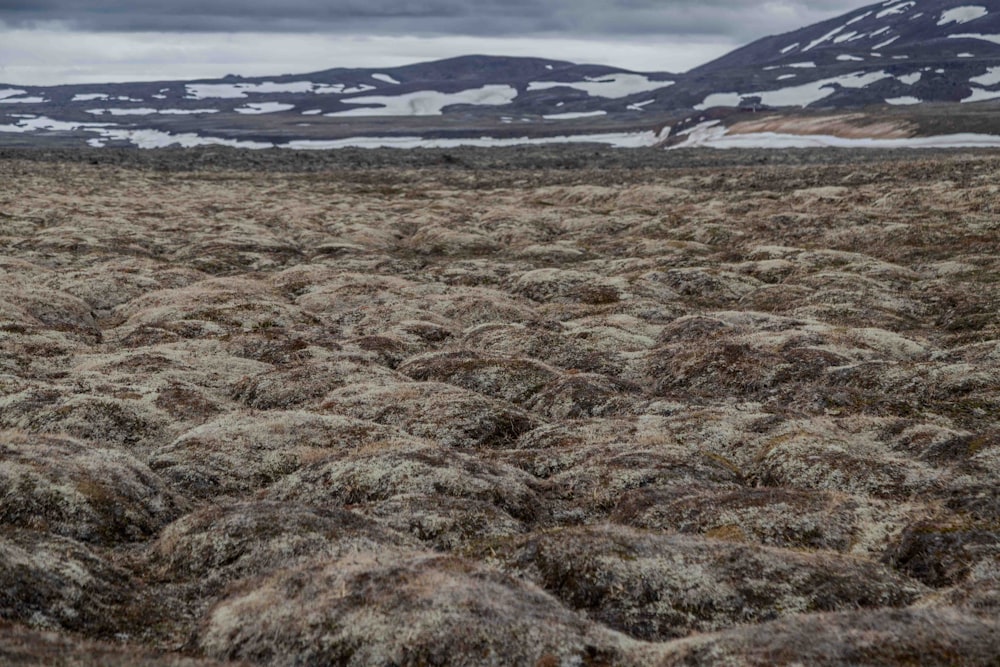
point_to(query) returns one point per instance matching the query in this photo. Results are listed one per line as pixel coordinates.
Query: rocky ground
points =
(289, 410)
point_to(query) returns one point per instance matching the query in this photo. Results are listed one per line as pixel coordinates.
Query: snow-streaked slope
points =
(936, 46)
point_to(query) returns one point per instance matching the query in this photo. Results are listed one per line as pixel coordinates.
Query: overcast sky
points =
(71, 41)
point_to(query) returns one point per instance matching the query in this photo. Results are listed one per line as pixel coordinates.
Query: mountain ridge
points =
(897, 53)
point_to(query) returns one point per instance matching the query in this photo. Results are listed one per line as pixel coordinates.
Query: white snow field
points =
(148, 112)
(22, 100)
(992, 77)
(802, 95)
(571, 115)
(255, 108)
(385, 78)
(237, 91)
(962, 14)
(713, 135)
(614, 86)
(428, 102)
(906, 99)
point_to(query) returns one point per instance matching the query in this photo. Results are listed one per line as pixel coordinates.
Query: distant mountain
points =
(899, 52)
(470, 96)
(891, 54)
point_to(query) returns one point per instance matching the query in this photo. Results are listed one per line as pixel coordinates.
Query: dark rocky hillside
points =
(879, 58)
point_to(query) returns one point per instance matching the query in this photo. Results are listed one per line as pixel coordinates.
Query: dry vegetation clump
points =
(781, 517)
(306, 381)
(936, 637)
(655, 587)
(436, 493)
(66, 487)
(56, 583)
(24, 647)
(514, 379)
(223, 543)
(242, 452)
(579, 416)
(374, 608)
(442, 412)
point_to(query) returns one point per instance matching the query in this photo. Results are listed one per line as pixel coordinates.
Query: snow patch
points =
(616, 140)
(341, 89)
(845, 58)
(186, 112)
(858, 18)
(713, 136)
(312, 112)
(204, 91)
(255, 108)
(991, 77)
(884, 44)
(41, 123)
(570, 115)
(385, 78)
(783, 77)
(11, 92)
(158, 139)
(979, 95)
(639, 105)
(802, 95)
(895, 9)
(121, 112)
(906, 99)
(613, 86)
(429, 102)
(909, 79)
(790, 47)
(817, 42)
(89, 97)
(962, 14)
(23, 100)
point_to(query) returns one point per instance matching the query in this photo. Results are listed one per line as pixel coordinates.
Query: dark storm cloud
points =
(739, 19)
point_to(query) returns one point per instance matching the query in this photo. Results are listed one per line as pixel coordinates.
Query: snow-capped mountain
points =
(891, 54)
(897, 52)
(503, 97)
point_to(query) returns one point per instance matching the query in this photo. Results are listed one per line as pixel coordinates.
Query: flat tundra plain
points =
(448, 414)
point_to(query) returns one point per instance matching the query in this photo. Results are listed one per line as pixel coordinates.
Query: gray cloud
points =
(741, 20)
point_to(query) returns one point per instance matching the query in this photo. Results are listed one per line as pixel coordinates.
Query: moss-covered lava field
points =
(706, 409)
